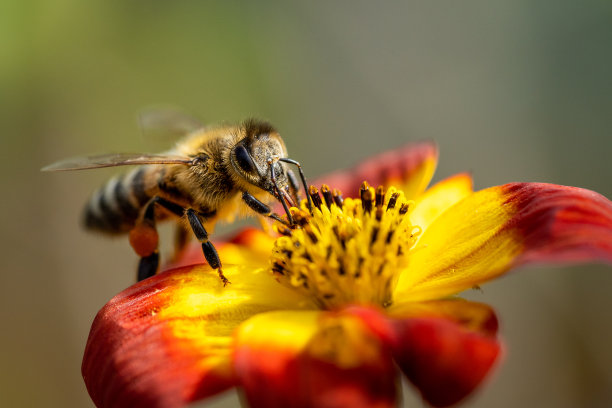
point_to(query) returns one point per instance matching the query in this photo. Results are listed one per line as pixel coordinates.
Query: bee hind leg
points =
(148, 266)
(144, 238)
(210, 252)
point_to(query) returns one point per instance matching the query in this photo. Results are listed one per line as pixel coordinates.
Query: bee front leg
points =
(210, 252)
(261, 208)
(295, 187)
(144, 238)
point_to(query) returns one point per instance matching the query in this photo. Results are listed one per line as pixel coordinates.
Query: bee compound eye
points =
(243, 158)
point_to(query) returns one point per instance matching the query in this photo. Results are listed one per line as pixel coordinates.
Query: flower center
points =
(348, 251)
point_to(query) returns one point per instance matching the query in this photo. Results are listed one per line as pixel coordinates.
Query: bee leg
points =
(148, 266)
(261, 208)
(210, 252)
(283, 199)
(295, 186)
(144, 238)
(299, 166)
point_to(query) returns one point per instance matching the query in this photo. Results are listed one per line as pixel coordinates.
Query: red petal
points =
(133, 360)
(561, 224)
(412, 166)
(442, 359)
(474, 316)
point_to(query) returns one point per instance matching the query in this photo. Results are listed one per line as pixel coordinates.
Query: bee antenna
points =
(297, 164)
(279, 194)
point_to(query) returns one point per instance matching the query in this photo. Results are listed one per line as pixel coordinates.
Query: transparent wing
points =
(112, 160)
(166, 122)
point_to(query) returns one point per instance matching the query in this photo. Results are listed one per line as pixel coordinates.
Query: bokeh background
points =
(511, 91)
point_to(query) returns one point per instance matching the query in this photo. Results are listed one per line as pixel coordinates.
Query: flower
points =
(366, 290)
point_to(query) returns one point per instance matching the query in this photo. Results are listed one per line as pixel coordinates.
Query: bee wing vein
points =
(112, 160)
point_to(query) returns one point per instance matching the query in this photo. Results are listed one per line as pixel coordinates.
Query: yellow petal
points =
(199, 296)
(251, 247)
(419, 177)
(287, 330)
(462, 248)
(439, 198)
(494, 230)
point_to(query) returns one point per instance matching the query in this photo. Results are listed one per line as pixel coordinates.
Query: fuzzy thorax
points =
(348, 251)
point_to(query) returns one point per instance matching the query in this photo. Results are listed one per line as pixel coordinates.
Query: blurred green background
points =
(511, 91)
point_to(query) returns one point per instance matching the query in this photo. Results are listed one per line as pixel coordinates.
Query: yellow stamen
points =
(347, 251)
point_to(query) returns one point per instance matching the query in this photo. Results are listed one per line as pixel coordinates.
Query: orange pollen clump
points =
(144, 239)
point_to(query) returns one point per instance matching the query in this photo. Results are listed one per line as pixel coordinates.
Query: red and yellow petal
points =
(312, 359)
(167, 341)
(473, 316)
(410, 168)
(499, 228)
(445, 348)
(443, 360)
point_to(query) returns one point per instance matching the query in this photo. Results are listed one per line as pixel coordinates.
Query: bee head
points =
(256, 155)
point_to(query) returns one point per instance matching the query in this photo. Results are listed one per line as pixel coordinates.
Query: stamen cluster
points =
(347, 251)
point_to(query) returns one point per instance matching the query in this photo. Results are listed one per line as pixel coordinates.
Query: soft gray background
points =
(511, 91)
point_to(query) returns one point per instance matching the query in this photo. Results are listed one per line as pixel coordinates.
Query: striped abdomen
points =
(115, 207)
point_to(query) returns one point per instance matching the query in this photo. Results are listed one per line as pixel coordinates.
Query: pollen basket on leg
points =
(347, 251)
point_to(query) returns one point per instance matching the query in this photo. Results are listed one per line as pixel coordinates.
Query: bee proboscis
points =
(207, 177)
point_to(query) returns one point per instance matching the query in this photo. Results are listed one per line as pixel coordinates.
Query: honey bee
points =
(208, 176)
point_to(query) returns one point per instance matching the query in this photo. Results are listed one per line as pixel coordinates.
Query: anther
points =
(327, 195)
(278, 268)
(374, 235)
(314, 195)
(404, 208)
(379, 213)
(301, 218)
(367, 199)
(392, 201)
(308, 230)
(283, 230)
(380, 196)
(364, 187)
(337, 194)
(341, 238)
